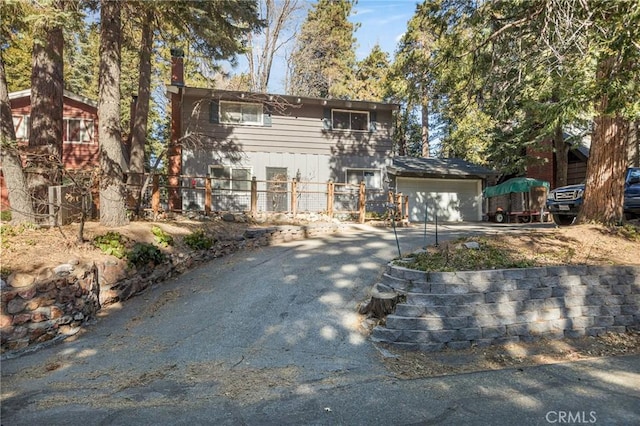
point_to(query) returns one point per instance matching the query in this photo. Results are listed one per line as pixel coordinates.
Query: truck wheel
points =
(562, 220)
(499, 217)
(525, 219)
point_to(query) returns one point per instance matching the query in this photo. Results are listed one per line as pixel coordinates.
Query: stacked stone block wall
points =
(460, 309)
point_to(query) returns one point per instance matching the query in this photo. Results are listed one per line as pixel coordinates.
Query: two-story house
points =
(234, 136)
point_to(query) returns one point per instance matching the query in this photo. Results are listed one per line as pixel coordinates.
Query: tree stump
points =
(383, 302)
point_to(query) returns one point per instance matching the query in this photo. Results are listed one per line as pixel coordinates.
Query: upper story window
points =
(350, 120)
(21, 126)
(77, 130)
(241, 113)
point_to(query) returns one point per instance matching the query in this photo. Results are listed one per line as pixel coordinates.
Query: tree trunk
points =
(383, 302)
(112, 188)
(19, 197)
(562, 156)
(46, 122)
(425, 128)
(141, 116)
(604, 191)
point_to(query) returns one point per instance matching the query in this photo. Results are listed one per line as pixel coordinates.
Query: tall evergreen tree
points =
(47, 86)
(112, 189)
(371, 76)
(16, 181)
(323, 61)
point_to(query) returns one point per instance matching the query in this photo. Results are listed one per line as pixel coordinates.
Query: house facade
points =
(80, 145)
(235, 136)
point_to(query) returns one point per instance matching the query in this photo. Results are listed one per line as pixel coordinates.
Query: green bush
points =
(143, 253)
(112, 243)
(198, 240)
(5, 216)
(161, 237)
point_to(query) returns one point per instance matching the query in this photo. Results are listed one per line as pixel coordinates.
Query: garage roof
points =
(438, 168)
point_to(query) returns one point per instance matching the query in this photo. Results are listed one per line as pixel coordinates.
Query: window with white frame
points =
(350, 120)
(372, 177)
(230, 178)
(241, 113)
(21, 126)
(77, 130)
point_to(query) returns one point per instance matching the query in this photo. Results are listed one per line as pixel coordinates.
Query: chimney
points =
(177, 67)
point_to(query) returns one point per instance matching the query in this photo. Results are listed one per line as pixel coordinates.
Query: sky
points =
(381, 21)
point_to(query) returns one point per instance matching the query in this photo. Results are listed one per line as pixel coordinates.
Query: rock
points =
(73, 262)
(44, 274)
(20, 279)
(5, 320)
(28, 293)
(63, 269)
(229, 217)
(78, 316)
(3, 284)
(472, 245)
(15, 306)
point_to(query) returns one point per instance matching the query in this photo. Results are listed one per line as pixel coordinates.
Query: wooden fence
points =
(282, 196)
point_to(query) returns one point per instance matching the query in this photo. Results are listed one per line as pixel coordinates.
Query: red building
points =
(80, 146)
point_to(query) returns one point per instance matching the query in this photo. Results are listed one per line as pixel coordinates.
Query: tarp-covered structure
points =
(519, 184)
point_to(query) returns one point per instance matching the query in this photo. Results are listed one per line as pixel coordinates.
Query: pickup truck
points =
(564, 203)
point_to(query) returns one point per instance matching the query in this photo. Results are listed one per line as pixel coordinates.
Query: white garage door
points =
(453, 200)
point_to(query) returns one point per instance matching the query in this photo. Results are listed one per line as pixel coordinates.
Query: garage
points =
(453, 200)
(450, 188)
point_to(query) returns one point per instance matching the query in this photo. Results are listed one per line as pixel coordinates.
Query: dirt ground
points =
(28, 250)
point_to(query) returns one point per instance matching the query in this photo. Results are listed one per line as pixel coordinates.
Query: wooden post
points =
(155, 196)
(362, 202)
(406, 208)
(207, 195)
(330, 195)
(254, 196)
(294, 197)
(398, 204)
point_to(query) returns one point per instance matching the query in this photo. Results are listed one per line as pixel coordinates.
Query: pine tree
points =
(371, 76)
(112, 190)
(323, 61)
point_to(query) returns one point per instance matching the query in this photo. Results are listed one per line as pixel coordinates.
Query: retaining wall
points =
(459, 309)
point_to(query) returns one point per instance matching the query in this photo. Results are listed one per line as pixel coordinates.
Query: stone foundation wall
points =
(57, 302)
(459, 309)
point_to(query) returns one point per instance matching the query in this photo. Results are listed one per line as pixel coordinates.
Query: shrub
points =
(143, 253)
(161, 237)
(5, 216)
(111, 243)
(198, 240)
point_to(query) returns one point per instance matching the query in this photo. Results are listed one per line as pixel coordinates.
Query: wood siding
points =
(294, 139)
(74, 155)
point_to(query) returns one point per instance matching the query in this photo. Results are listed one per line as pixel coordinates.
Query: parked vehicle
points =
(564, 203)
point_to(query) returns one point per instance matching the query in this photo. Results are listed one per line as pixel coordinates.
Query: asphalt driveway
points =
(271, 337)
